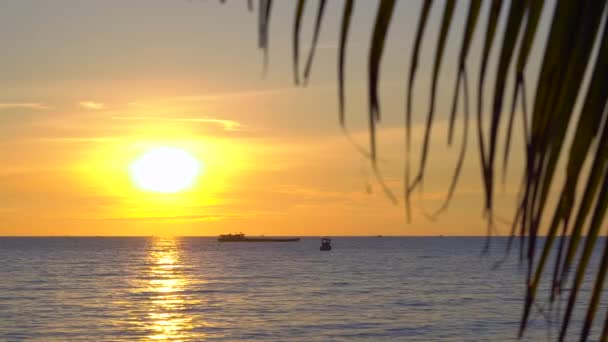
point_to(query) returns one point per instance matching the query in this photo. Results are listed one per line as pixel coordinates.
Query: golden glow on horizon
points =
(107, 169)
(165, 170)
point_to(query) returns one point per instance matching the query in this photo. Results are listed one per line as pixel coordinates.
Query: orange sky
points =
(87, 88)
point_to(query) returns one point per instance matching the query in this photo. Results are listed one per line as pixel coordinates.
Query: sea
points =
(196, 289)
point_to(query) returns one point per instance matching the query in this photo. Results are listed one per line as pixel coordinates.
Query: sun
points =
(165, 170)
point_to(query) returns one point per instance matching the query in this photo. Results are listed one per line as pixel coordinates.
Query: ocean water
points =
(196, 289)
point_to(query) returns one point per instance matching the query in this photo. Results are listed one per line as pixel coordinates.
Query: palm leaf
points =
(577, 45)
(473, 15)
(264, 10)
(426, 8)
(595, 297)
(514, 20)
(598, 217)
(586, 132)
(448, 14)
(566, 56)
(348, 11)
(566, 94)
(383, 19)
(493, 17)
(297, 26)
(345, 27)
(534, 10)
(315, 38)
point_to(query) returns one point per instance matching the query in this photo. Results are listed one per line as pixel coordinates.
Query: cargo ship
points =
(242, 238)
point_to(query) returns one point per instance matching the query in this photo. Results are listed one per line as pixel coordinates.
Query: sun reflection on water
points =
(167, 311)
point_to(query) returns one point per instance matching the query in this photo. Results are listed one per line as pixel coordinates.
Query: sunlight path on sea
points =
(166, 282)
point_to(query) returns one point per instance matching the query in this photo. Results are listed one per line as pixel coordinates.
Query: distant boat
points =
(325, 244)
(241, 238)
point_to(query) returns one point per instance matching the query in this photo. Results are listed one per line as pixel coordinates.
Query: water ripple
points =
(192, 289)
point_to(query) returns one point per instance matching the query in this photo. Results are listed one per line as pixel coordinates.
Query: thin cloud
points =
(226, 95)
(24, 105)
(243, 92)
(79, 139)
(228, 125)
(92, 105)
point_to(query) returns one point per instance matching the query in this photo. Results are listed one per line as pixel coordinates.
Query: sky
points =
(88, 87)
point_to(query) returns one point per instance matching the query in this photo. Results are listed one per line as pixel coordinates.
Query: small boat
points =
(325, 244)
(241, 238)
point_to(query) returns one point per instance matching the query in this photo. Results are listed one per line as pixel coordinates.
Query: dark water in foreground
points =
(366, 289)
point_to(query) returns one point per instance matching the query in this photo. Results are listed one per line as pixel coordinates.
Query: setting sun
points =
(165, 170)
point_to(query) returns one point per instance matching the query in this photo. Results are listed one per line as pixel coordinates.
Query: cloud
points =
(228, 125)
(25, 105)
(79, 139)
(92, 105)
(237, 93)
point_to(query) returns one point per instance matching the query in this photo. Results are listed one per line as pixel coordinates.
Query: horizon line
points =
(213, 236)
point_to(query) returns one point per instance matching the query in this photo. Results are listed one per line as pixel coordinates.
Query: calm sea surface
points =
(366, 289)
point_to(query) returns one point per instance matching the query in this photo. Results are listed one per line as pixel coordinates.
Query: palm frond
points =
(461, 78)
(296, 40)
(426, 8)
(493, 16)
(448, 14)
(264, 10)
(345, 27)
(315, 38)
(349, 5)
(383, 19)
(534, 11)
(574, 40)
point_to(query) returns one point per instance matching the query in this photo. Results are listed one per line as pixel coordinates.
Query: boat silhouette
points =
(325, 244)
(242, 238)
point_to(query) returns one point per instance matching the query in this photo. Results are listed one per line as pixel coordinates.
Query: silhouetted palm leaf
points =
(426, 8)
(568, 52)
(296, 40)
(473, 15)
(448, 13)
(348, 11)
(315, 38)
